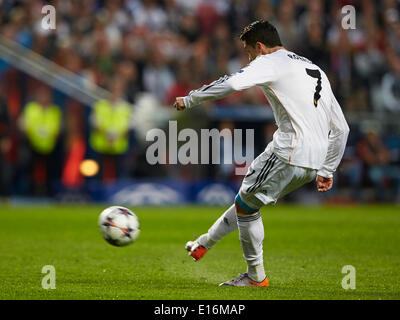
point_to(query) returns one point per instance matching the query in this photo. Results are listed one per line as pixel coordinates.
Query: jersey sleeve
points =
(259, 71)
(339, 131)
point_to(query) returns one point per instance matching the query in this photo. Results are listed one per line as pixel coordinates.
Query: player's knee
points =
(241, 210)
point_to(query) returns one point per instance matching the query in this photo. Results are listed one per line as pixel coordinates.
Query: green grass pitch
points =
(305, 249)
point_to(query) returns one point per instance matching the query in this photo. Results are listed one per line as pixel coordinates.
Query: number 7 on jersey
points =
(316, 74)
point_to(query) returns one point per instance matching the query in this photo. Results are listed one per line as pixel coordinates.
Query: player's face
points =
(252, 52)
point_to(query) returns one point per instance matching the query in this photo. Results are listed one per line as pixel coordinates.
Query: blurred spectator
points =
(75, 146)
(376, 158)
(41, 122)
(208, 16)
(239, 15)
(127, 73)
(109, 133)
(189, 27)
(287, 26)
(390, 86)
(157, 77)
(314, 46)
(148, 14)
(263, 9)
(226, 170)
(5, 147)
(184, 83)
(392, 20)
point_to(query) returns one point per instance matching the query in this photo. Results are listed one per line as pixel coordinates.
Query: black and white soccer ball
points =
(119, 226)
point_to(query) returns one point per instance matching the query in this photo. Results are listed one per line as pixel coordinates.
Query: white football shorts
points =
(269, 178)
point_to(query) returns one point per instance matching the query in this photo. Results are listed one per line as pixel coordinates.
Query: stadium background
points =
(148, 52)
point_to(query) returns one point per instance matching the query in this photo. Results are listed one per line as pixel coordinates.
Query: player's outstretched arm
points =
(216, 90)
(259, 71)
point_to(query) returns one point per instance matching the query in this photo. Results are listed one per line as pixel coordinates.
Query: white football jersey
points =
(312, 131)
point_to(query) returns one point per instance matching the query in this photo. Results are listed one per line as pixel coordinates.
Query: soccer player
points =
(308, 144)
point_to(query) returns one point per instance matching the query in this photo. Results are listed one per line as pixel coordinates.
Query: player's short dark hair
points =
(261, 31)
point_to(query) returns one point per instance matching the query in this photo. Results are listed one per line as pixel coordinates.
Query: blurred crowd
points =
(168, 47)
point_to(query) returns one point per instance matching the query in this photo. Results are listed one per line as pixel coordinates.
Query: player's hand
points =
(324, 184)
(179, 104)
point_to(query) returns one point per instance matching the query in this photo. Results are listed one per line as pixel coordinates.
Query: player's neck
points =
(266, 50)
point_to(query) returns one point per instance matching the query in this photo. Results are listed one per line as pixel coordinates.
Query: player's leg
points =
(227, 223)
(251, 236)
(224, 225)
(277, 179)
(250, 225)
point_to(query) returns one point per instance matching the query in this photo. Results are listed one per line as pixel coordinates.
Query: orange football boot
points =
(196, 250)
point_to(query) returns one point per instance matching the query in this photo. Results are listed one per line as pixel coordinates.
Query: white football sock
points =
(256, 273)
(251, 235)
(225, 224)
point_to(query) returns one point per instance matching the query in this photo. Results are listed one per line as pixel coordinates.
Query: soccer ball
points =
(119, 226)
